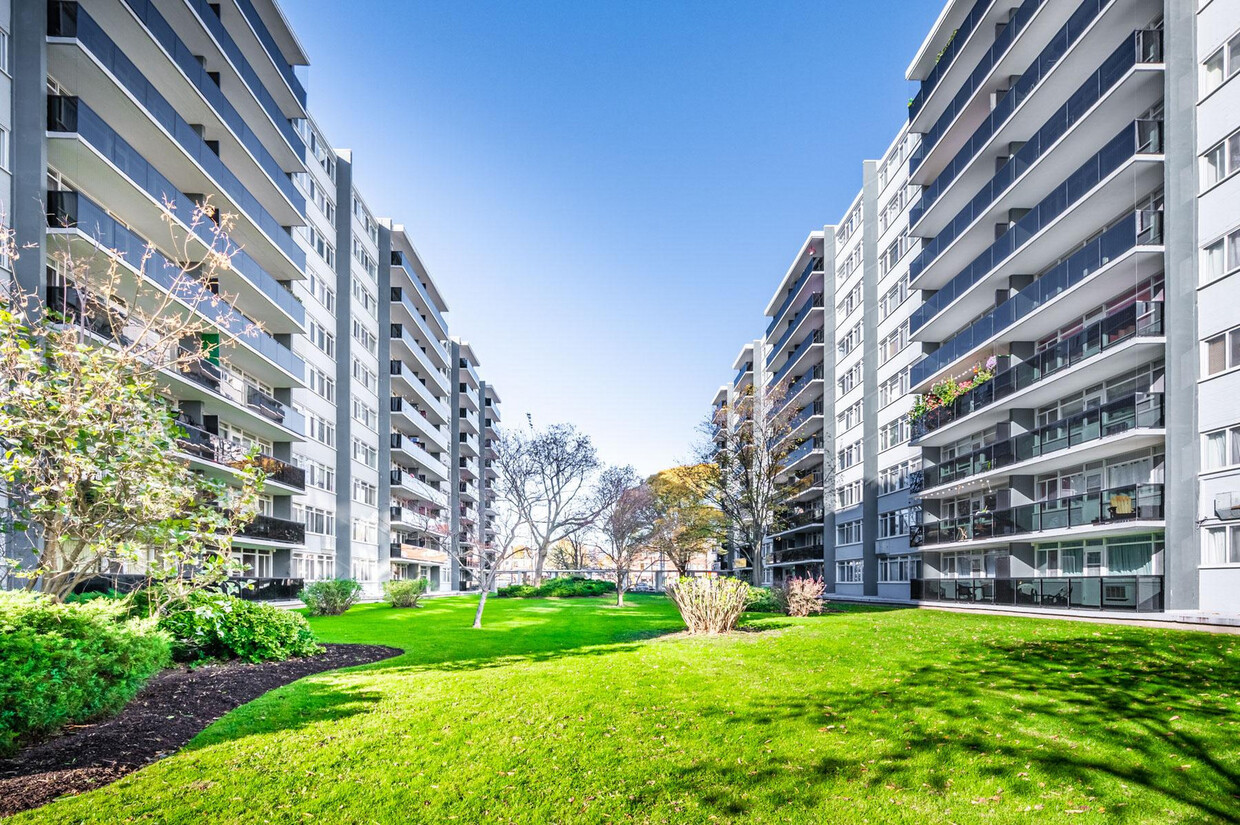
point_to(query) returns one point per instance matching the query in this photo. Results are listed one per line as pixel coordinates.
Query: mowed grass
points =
(576, 711)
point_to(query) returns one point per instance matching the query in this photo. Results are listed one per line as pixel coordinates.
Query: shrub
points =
(331, 597)
(67, 663)
(562, 588)
(764, 600)
(405, 592)
(802, 596)
(217, 626)
(710, 604)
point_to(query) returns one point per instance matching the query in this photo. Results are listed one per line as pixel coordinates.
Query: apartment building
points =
(118, 107)
(1036, 328)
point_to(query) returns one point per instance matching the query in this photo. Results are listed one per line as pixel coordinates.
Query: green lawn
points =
(576, 711)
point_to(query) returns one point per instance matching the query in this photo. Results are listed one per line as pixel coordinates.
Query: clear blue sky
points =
(607, 192)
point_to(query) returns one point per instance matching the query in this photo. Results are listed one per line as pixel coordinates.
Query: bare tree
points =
(751, 444)
(546, 479)
(484, 561)
(626, 518)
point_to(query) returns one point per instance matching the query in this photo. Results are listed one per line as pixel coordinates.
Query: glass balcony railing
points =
(185, 59)
(805, 415)
(1140, 47)
(948, 55)
(814, 302)
(802, 348)
(398, 259)
(1137, 411)
(802, 553)
(798, 453)
(1139, 594)
(815, 265)
(71, 115)
(80, 25)
(748, 368)
(72, 210)
(1137, 320)
(269, 44)
(796, 386)
(1133, 502)
(1138, 137)
(1141, 228)
(270, 528)
(400, 297)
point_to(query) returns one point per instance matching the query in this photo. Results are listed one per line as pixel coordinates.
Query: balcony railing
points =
(944, 62)
(809, 517)
(196, 441)
(1137, 411)
(1139, 137)
(263, 403)
(814, 265)
(1134, 502)
(270, 528)
(1142, 319)
(1140, 594)
(72, 210)
(1141, 228)
(795, 355)
(801, 383)
(250, 588)
(804, 553)
(814, 302)
(1144, 46)
(66, 19)
(398, 259)
(71, 115)
(800, 452)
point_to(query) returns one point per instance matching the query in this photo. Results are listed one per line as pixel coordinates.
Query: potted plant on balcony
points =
(947, 390)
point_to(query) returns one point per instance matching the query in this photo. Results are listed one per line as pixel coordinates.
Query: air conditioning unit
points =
(1227, 506)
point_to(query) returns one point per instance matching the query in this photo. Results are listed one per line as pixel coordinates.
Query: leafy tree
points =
(687, 526)
(91, 470)
(573, 553)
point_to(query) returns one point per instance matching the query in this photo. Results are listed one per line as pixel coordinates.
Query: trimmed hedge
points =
(405, 592)
(564, 588)
(69, 663)
(764, 600)
(216, 626)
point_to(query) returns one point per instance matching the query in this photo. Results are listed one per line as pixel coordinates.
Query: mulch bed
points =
(175, 706)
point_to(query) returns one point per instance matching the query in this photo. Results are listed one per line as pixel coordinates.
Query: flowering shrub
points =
(948, 390)
(802, 596)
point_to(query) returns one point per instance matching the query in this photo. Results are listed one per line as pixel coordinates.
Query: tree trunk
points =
(756, 544)
(482, 602)
(539, 559)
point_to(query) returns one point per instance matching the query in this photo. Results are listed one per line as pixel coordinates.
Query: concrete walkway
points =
(1173, 619)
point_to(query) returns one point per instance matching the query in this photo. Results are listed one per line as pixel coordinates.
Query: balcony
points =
(1140, 411)
(269, 528)
(1138, 594)
(400, 334)
(398, 261)
(198, 443)
(1097, 258)
(960, 36)
(418, 553)
(811, 553)
(814, 302)
(800, 452)
(795, 356)
(795, 388)
(1118, 506)
(1108, 96)
(73, 211)
(814, 265)
(401, 299)
(1140, 320)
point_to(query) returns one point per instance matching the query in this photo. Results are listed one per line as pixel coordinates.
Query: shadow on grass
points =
(1150, 713)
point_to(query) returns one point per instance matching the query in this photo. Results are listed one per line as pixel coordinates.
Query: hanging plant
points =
(946, 391)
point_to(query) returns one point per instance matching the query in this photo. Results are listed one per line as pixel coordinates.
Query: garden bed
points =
(174, 707)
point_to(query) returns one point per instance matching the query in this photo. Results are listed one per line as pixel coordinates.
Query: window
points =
(365, 376)
(321, 384)
(366, 453)
(850, 224)
(846, 495)
(318, 521)
(894, 388)
(365, 298)
(895, 522)
(894, 252)
(364, 570)
(314, 566)
(851, 417)
(368, 339)
(850, 340)
(849, 456)
(1221, 545)
(848, 532)
(850, 379)
(894, 434)
(322, 339)
(363, 257)
(1222, 352)
(1222, 449)
(850, 302)
(893, 344)
(1221, 65)
(365, 415)
(1123, 556)
(898, 568)
(365, 530)
(1221, 161)
(317, 474)
(896, 477)
(365, 493)
(321, 290)
(4, 149)
(1221, 257)
(4, 52)
(849, 572)
(849, 265)
(321, 246)
(318, 428)
(893, 298)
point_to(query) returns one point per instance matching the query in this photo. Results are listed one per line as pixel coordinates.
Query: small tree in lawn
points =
(486, 561)
(686, 526)
(626, 518)
(546, 477)
(91, 473)
(747, 479)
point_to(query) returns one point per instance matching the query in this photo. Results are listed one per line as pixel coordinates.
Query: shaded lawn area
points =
(576, 711)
